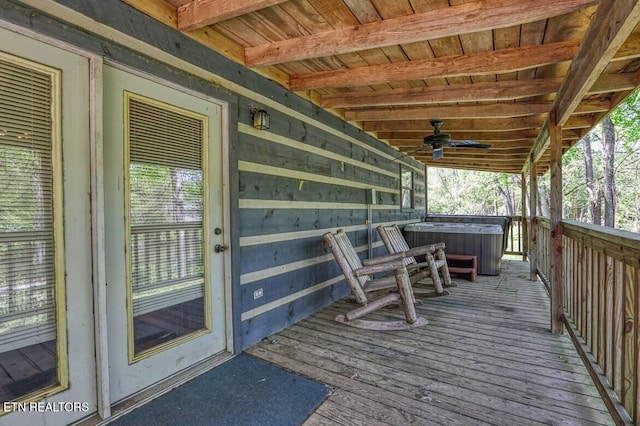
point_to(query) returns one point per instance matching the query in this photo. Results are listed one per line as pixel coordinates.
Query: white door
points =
(163, 218)
(46, 304)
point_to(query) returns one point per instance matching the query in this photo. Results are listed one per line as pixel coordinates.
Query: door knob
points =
(219, 248)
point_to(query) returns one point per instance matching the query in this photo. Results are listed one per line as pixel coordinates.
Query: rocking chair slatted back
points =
(348, 260)
(392, 237)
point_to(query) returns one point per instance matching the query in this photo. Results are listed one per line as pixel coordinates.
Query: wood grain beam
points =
(478, 159)
(493, 110)
(630, 49)
(608, 30)
(582, 121)
(555, 217)
(460, 19)
(200, 13)
(488, 166)
(496, 146)
(491, 169)
(485, 136)
(483, 153)
(462, 125)
(479, 63)
(614, 83)
(477, 92)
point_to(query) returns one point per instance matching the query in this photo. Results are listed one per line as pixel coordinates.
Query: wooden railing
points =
(516, 240)
(601, 275)
(542, 232)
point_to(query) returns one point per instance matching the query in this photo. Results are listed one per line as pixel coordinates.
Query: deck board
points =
(487, 357)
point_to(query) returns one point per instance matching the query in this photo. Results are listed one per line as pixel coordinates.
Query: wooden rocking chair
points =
(395, 243)
(362, 285)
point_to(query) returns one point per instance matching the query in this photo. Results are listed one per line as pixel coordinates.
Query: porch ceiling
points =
(492, 70)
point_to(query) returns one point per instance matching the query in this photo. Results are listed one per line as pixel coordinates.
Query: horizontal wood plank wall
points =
(296, 182)
(304, 176)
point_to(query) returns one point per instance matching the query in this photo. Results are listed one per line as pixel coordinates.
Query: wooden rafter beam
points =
(582, 121)
(463, 18)
(460, 125)
(477, 92)
(485, 136)
(605, 36)
(630, 49)
(614, 83)
(608, 30)
(504, 162)
(495, 145)
(200, 13)
(479, 63)
(493, 110)
(488, 166)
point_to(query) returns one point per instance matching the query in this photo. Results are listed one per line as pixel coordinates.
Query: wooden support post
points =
(524, 234)
(533, 231)
(426, 193)
(555, 213)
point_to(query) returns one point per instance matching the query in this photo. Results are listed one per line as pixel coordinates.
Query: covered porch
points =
(486, 357)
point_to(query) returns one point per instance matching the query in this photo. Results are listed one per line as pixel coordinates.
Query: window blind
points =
(27, 258)
(165, 205)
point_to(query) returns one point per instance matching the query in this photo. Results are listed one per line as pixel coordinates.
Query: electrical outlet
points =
(257, 294)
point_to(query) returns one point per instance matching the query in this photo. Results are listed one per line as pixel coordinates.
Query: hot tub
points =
(482, 240)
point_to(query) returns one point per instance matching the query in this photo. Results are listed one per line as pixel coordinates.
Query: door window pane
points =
(166, 228)
(29, 147)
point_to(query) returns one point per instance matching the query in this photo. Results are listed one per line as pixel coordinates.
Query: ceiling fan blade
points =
(467, 144)
(420, 148)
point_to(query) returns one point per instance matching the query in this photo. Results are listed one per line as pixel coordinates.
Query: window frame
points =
(134, 357)
(407, 189)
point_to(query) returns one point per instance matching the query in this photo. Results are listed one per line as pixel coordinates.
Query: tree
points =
(609, 146)
(593, 188)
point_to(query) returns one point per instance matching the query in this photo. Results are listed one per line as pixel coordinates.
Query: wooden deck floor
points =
(486, 357)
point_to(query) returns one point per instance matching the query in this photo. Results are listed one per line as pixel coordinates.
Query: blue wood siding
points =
(303, 177)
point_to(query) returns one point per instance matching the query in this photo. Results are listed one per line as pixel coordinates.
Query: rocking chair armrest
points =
(383, 259)
(380, 267)
(417, 251)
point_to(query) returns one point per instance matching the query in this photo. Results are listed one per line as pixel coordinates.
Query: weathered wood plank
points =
(467, 366)
(431, 25)
(481, 63)
(630, 329)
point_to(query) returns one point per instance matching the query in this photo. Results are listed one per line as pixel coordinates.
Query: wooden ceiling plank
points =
(494, 62)
(469, 125)
(200, 13)
(609, 28)
(477, 92)
(494, 110)
(452, 21)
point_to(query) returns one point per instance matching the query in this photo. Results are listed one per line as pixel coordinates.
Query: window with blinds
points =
(29, 279)
(167, 279)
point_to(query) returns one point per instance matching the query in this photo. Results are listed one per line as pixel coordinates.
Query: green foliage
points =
(454, 191)
(467, 192)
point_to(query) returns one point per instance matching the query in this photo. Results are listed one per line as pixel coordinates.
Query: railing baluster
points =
(608, 366)
(588, 313)
(630, 330)
(602, 309)
(618, 321)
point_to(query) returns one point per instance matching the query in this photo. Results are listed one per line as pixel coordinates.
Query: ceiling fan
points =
(439, 140)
